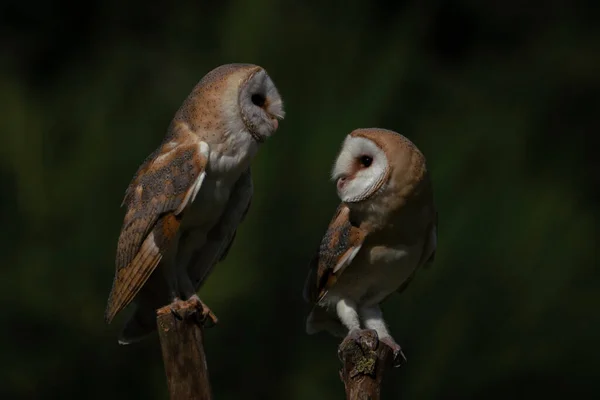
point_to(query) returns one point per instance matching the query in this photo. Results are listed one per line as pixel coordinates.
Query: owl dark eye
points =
(366, 161)
(258, 100)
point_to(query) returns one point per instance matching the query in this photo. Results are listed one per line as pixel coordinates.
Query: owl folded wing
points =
(339, 246)
(163, 186)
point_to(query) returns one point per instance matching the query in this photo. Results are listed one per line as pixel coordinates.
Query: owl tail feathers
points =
(320, 319)
(141, 324)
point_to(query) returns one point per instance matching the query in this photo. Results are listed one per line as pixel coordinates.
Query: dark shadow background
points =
(502, 97)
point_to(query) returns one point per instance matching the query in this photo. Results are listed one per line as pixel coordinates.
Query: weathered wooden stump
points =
(364, 364)
(181, 340)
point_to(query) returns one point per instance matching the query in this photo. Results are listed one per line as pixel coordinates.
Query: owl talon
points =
(175, 306)
(205, 312)
(365, 339)
(399, 357)
(354, 335)
(176, 314)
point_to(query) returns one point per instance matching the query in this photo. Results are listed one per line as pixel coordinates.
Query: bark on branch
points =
(365, 361)
(181, 341)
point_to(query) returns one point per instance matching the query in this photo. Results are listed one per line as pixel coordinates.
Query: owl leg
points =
(346, 311)
(373, 319)
(364, 339)
(171, 276)
(169, 271)
(187, 290)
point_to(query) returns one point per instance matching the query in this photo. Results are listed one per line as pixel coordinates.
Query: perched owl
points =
(382, 232)
(187, 199)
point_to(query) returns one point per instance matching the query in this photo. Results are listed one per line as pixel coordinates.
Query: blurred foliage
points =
(502, 97)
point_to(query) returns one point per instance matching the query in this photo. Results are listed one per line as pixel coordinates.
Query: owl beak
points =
(275, 123)
(341, 182)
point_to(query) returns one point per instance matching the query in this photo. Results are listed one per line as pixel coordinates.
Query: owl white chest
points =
(231, 156)
(377, 272)
(227, 161)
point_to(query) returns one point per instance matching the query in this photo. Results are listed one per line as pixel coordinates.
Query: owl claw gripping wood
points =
(187, 199)
(382, 232)
(196, 304)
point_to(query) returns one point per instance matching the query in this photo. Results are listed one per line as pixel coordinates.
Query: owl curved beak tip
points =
(341, 182)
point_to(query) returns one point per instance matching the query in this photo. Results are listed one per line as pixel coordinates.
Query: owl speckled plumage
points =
(186, 200)
(382, 232)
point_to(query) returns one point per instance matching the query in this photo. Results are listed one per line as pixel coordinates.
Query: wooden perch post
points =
(181, 340)
(365, 361)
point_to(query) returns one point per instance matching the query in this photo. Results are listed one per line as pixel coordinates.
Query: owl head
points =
(372, 161)
(234, 99)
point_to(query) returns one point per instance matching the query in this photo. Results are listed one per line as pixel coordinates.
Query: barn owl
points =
(187, 199)
(384, 229)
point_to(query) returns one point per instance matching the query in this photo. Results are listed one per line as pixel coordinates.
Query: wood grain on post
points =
(181, 340)
(365, 362)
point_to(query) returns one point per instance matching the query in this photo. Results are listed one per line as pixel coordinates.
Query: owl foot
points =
(357, 338)
(175, 308)
(184, 308)
(399, 357)
(205, 312)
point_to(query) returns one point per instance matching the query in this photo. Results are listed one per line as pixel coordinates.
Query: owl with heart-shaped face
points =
(382, 232)
(186, 201)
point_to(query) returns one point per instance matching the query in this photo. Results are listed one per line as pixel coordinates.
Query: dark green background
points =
(502, 97)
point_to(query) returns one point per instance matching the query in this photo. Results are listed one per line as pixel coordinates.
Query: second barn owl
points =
(382, 232)
(187, 199)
